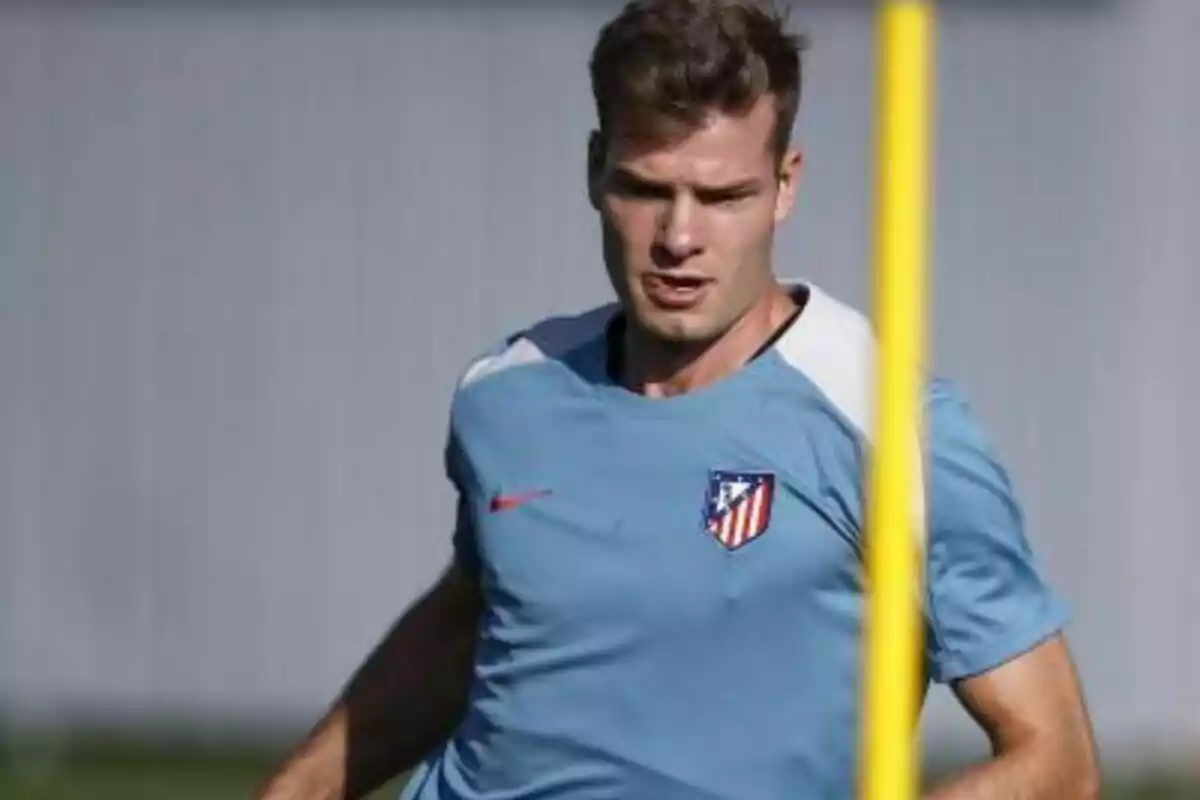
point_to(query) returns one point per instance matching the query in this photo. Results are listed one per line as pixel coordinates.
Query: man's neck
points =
(658, 369)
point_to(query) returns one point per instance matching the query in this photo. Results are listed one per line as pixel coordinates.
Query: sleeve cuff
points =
(1019, 640)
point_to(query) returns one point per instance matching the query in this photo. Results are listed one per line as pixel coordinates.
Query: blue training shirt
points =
(674, 587)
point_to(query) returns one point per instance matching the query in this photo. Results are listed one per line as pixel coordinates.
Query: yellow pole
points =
(890, 752)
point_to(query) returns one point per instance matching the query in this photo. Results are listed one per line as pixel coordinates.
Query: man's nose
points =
(679, 230)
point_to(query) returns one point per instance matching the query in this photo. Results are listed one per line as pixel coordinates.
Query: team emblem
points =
(738, 507)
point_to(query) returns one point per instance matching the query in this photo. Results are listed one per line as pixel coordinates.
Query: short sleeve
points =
(466, 555)
(988, 600)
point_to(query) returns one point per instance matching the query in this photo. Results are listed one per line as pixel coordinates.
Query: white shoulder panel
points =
(833, 345)
(547, 340)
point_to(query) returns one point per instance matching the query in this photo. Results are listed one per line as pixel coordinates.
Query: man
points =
(658, 587)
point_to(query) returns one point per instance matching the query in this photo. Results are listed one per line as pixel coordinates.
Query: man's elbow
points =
(1088, 781)
(1071, 767)
(1081, 752)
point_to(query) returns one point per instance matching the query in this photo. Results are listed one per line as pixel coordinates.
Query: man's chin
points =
(676, 328)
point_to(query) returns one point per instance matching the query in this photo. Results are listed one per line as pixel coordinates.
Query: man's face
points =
(688, 225)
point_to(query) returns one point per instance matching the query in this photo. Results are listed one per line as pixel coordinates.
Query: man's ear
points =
(790, 167)
(595, 166)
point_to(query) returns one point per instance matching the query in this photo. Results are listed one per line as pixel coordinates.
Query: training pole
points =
(889, 760)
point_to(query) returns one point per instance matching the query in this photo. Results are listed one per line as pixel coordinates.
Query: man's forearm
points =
(1027, 773)
(403, 701)
(316, 769)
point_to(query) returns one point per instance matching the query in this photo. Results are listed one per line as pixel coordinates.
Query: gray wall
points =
(244, 254)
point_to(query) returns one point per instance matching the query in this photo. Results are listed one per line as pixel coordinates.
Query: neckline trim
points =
(614, 330)
(610, 387)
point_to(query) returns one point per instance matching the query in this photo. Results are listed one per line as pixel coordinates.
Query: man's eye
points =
(722, 197)
(642, 191)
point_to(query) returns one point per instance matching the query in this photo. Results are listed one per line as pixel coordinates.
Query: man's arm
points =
(1033, 713)
(995, 623)
(403, 701)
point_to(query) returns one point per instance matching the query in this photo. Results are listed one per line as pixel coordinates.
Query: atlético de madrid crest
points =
(737, 509)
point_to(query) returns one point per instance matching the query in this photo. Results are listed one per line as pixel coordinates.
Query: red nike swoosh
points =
(504, 502)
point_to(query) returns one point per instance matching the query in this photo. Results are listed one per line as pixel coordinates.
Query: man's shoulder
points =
(832, 344)
(546, 342)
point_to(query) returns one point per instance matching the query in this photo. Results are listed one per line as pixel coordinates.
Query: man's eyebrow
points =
(628, 176)
(738, 186)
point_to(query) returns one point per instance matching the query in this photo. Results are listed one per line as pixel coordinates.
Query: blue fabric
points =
(628, 652)
(986, 599)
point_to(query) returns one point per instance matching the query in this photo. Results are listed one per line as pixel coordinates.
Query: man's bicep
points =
(1036, 694)
(987, 599)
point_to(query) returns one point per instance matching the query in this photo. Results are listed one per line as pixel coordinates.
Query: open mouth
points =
(675, 291)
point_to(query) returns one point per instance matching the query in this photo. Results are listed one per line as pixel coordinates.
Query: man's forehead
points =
(693, 170)
(694, 167)
(722, 145)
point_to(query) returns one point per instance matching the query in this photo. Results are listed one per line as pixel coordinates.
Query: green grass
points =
(199, 782)
(107, 769)
(143, 771)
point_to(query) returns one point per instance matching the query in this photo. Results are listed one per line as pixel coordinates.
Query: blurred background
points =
(246, 249)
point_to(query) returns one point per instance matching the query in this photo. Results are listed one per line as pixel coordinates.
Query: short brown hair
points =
(661, 66)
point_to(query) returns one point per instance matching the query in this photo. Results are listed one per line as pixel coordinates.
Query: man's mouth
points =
(675, 291)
